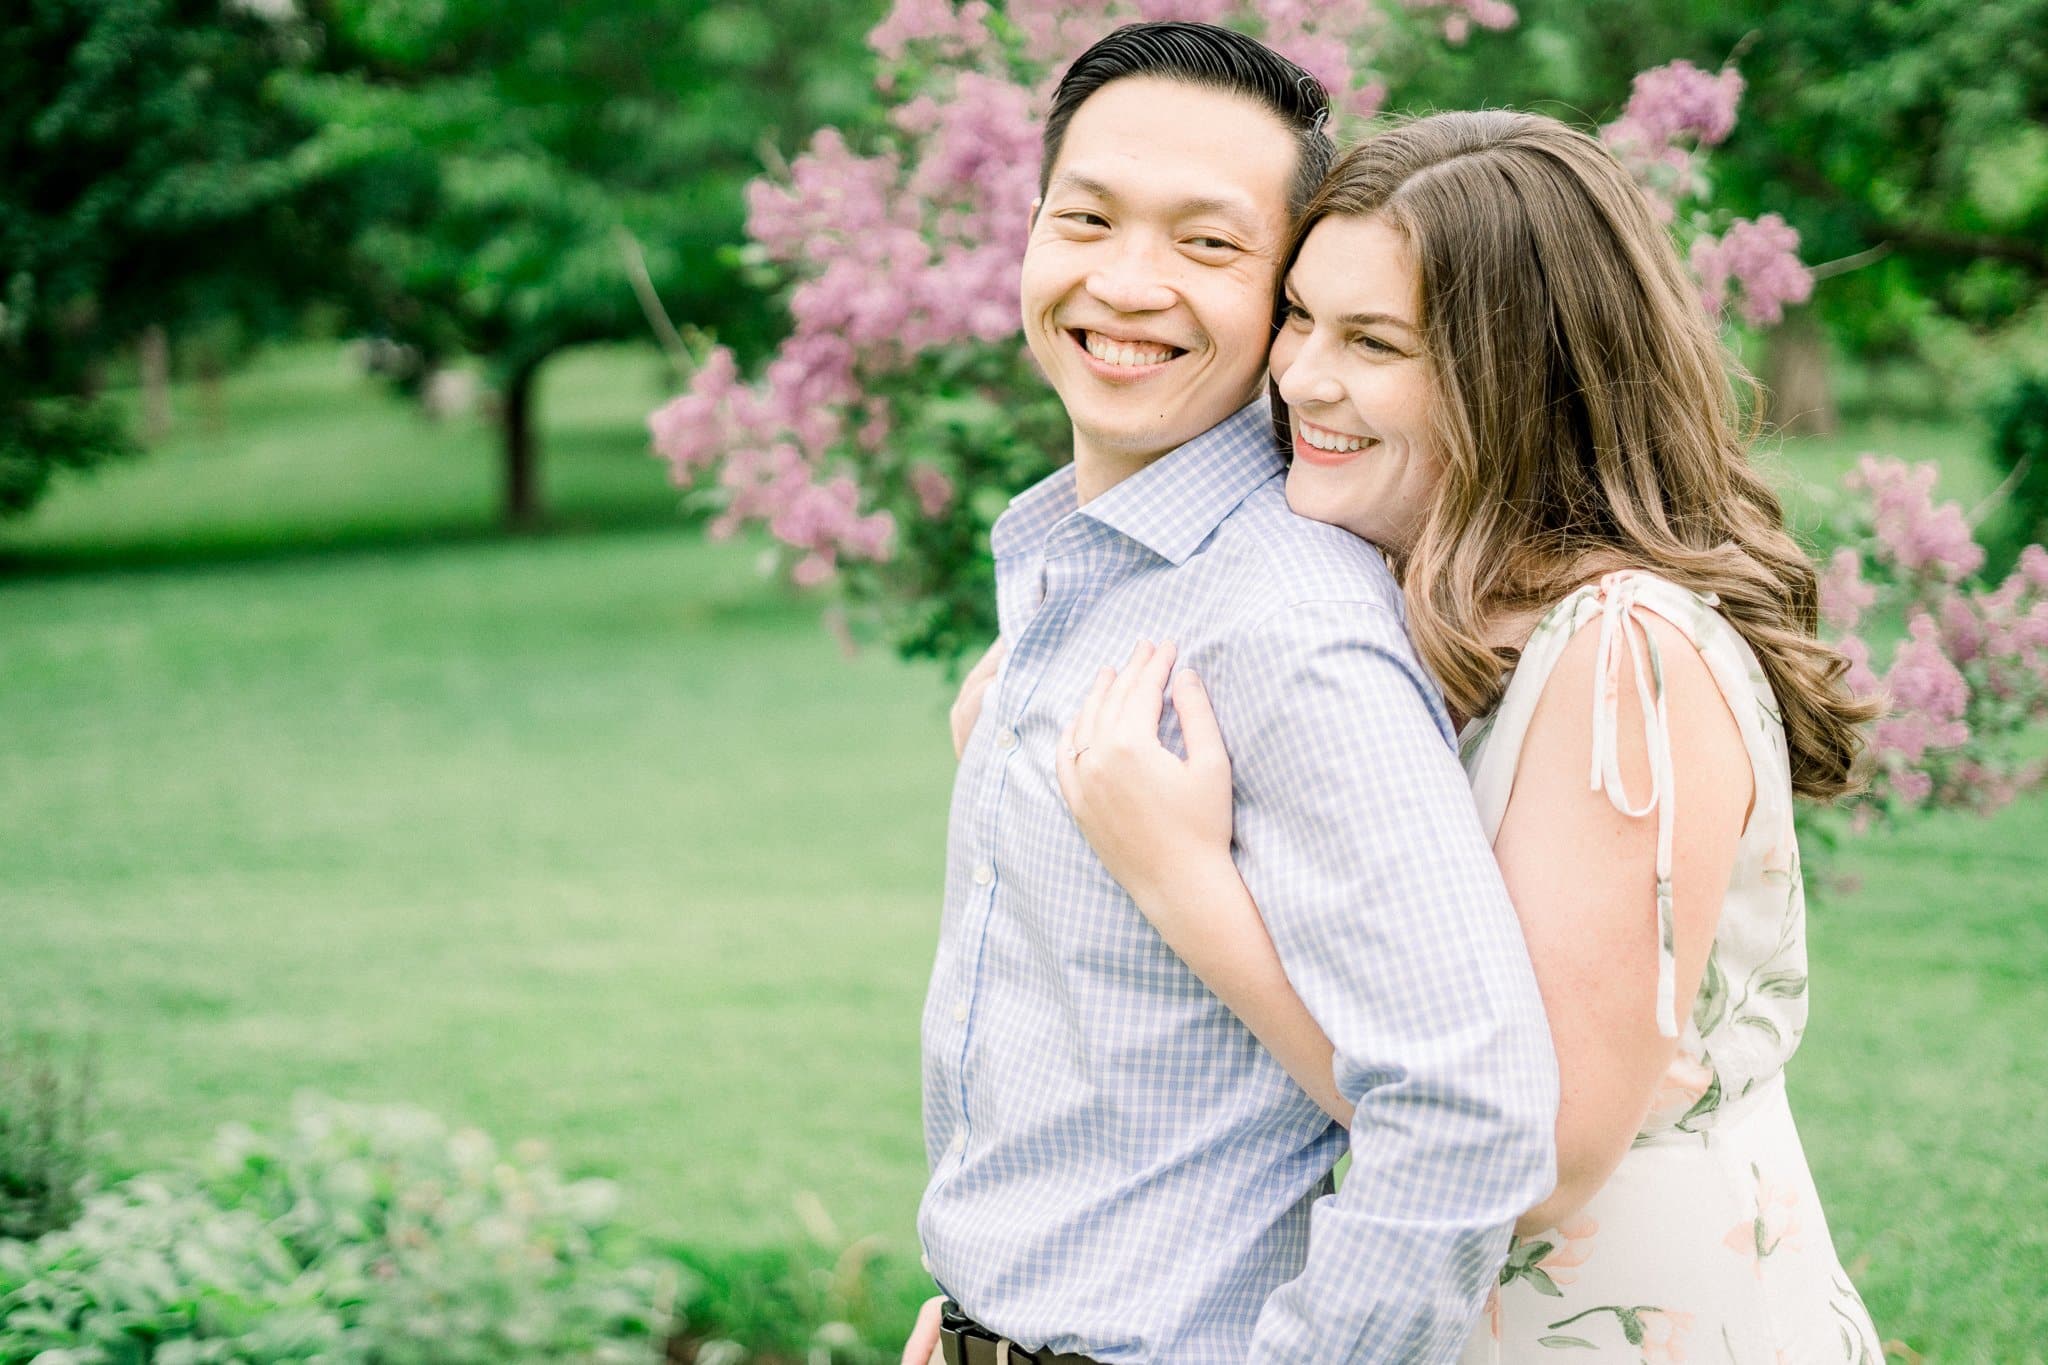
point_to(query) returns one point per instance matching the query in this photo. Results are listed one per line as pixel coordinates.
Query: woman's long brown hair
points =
(1586, 412)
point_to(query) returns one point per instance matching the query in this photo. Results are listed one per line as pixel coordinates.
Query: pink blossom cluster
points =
(1757, 260)
(1970, 673)
(1915, 535)
(1459, 19)
(1673, 112)
(894, 254)
(949, 32)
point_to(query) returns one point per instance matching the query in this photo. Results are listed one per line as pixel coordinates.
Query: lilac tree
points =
(1963, 661)
(903, 411)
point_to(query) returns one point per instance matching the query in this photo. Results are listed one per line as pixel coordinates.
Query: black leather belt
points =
(966, 1342)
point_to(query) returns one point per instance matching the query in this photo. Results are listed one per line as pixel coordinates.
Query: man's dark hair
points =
(1209, 56)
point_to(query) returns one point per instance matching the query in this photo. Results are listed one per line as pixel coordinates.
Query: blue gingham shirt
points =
(1119, 1169)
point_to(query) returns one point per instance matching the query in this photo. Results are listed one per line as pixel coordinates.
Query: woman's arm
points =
(1583, 879)
(1582, 876)
(1161, 825)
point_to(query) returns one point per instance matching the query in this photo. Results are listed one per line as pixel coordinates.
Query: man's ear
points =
(1032, 222)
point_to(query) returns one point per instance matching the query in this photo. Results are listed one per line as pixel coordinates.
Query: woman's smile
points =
(1323, 446)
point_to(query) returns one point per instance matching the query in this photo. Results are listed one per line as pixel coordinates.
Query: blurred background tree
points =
(148, 191)
(1907, 143)
(464, 179)
(537, 175)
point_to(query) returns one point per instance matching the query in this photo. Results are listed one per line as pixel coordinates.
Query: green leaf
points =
(1712, 1002)
(1786, 985)
(1709, 1100)
(1757, 1021)
(1557, 1341)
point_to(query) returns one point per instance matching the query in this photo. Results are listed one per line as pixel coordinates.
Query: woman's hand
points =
(1151, 816)
(973, 688)
(1161, 825)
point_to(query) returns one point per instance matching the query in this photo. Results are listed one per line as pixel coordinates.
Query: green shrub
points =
(829, 1298)
(44, 1113)
(155, 1272)
(367, 1236)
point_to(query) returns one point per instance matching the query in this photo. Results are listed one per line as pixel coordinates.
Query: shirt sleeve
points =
(1358, 837)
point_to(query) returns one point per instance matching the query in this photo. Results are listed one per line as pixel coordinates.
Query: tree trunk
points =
(212, 375)
(1795, 371)
(153, 354)
(522, 459)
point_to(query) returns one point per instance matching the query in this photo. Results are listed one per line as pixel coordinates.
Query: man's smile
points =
(1123, 359)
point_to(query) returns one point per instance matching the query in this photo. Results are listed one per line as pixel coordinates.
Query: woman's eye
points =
(1376, 346)
(1294, 312)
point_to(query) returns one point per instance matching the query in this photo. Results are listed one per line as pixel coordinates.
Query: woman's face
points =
(1349, 365)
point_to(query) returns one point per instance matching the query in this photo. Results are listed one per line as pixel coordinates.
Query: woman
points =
(1490, 363)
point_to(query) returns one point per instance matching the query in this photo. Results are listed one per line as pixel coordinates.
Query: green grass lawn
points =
(598, 838)
(311, 454)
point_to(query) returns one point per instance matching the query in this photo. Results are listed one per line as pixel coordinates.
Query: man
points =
(1120, 1173)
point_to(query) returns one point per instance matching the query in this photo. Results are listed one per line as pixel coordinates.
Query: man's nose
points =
(1135, 280)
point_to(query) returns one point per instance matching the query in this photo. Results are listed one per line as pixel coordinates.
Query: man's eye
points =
(1213, 243)
(1082, 218)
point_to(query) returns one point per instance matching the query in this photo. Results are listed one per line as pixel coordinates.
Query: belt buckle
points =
(956, 1329)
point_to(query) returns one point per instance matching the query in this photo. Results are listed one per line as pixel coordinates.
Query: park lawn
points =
(310, 453)
(598, 838)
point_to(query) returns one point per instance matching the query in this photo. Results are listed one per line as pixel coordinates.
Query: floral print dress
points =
(1708, 1243)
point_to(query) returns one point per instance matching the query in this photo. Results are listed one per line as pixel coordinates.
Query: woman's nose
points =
(1308, 380)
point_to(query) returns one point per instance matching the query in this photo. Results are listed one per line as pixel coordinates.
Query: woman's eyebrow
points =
(1350, 319)
(1376, 320)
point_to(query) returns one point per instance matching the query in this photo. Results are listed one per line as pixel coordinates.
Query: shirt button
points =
(959, 1143)
(1006, 739)
(983, 874)
(960, 1012)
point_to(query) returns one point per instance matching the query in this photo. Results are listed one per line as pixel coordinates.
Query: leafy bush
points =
(371, 1235)
(830, 1298)
(43, 1120)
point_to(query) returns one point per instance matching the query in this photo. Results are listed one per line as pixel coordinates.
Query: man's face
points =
(1148, 280)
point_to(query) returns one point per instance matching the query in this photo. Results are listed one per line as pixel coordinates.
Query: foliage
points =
(365, 1235)
(820, 1300)
(526, 160)
(45, 1113)
(2017, 415)
(1906, 143)
(138, 136)
(1968, 677)
(901, 414)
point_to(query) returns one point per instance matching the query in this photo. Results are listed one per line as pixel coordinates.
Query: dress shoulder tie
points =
(1617, 594)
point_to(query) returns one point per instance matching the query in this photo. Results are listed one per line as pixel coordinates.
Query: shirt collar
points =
(1171, 505)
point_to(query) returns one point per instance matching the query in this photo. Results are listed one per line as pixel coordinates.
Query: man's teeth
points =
(1126, 352)
(1330, 440)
